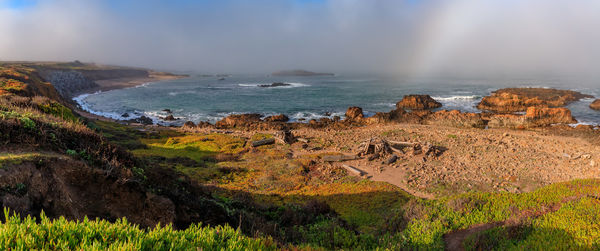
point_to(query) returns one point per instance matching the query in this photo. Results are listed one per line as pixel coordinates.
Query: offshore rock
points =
(418, 102)
(511, 100)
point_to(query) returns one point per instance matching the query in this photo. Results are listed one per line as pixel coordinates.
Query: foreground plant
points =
(61, 234)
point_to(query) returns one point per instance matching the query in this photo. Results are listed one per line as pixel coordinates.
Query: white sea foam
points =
(458, 97)
(386, 104)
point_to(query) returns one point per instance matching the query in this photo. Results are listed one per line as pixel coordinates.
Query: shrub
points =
(28, 123)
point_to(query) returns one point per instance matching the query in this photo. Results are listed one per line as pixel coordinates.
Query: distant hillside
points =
(302, 73)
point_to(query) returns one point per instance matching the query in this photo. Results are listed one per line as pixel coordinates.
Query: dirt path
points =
(454, 241)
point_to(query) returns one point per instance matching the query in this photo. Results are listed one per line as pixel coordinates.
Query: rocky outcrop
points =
(507, 121)
(595, 105)
(456, 118)
(238, 120)
(519, 99)
(277, 118)
(141, 120)
(169, 117)
(276, 84)
(536, 116)
(354, 113)
(418, 102)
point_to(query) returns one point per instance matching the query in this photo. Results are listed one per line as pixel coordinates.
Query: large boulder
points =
(418, 102)
(511, 100)
(354, 113)
(595, 105)
(277, 118)
(238, 120)
(536, 116)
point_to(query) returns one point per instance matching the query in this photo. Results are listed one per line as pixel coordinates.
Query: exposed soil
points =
(470, 159)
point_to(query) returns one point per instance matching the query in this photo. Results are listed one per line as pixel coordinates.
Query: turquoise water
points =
(209, 99)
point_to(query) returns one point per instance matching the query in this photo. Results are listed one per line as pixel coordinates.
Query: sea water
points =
(199, 98)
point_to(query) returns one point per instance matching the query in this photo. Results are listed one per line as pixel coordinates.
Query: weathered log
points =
(353, 170)
(303, 140)
(263, 142)
(391, 159)
(337, 158)
(401, 143)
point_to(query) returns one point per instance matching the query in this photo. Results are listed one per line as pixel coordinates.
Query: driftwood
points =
(391, 159)
(337, 158)
(303, 140)
(285, 137)
(380, 148)
(354, 170)
(263, 142)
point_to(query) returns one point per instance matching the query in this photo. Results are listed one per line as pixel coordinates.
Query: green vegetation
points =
(60, 234)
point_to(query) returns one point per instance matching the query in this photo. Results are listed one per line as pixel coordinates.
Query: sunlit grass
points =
(61, 234)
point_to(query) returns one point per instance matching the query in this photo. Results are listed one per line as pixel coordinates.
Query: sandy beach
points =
(120, 83)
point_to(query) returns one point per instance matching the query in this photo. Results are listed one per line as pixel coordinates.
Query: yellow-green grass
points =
(17, 158)
(575, 226)
(61, 234)
(195, 147)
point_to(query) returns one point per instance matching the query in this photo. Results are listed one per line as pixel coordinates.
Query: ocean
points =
(200, 98)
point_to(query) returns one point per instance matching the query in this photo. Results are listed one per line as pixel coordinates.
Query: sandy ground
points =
(120, 83)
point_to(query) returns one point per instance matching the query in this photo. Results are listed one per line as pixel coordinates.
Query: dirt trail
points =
(454, 241)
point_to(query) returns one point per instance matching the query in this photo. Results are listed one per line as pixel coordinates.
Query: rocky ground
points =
(463, 160)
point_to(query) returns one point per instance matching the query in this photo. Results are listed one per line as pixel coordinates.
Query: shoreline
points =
(122, 83)
(115, 84)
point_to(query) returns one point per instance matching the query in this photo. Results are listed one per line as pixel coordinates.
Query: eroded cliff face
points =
(67, 83)
(70, 79)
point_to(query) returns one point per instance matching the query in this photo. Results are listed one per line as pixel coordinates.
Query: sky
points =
(467, 38)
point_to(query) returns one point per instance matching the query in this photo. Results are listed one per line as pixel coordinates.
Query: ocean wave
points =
(290, 85)
(458, 97)
(80, 100)
(307, 116)
(386, 104)
(183, 92)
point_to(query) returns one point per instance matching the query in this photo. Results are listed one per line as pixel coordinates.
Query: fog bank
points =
(409, 38)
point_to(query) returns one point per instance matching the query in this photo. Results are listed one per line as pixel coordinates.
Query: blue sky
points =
(17, 4)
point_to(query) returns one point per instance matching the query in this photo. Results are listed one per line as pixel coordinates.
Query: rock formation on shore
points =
(418, 102)
(238, 120)
(277, 118)
(595, 105)
(354, 113)
(511, 100)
